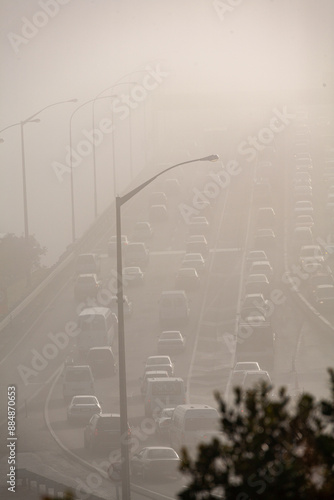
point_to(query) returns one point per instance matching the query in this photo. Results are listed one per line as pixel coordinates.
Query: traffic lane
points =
(39, 354)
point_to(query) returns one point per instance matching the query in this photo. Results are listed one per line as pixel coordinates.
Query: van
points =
(192, 424)
(98, 327)
(173, 308)
(151, 374)
(77, 380)
(102, 361)
(163, 392)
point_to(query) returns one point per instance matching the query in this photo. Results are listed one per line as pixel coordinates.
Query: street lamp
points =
(31, 119)
(120, 200)
(113, 142)
(71, 162)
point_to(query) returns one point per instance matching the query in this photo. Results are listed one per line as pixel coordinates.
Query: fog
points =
(109, 93)
(203, 49)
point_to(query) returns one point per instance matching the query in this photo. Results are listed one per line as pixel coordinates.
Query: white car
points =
(132, 275)
(303, 207)
(171, 341)
(253, 378)
(82, 408)
(198, 225)
(193, 260)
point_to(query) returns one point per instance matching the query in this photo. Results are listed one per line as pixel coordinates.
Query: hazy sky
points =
(54, 50)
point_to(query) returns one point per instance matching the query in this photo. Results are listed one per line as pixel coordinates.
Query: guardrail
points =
(45, 485)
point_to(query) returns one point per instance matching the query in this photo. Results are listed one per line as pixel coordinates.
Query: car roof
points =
(95, 310)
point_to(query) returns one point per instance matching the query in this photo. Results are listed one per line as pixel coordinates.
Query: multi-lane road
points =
(33, 360)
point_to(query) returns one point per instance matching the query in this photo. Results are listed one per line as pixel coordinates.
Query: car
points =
(253, 304)
(170, 341)
(200, 246)
(103, 432)
(132, 275)
(302, 179)
(151, 374)
(86, 285)
(187, 279)
(155, 461)
(319, 279)
(127, 305)
(303, 165)
(102, 361)
(112, 248)
(303, 207)
(301, 236)
(142, 231)
(198, 225)
(311, 268)
(87, 263)
(302, 193)
(174, 309)
(163, 421)
(311, 254)
(158, 213)
(324, 297)
(262, 267)
(247, 366)
(239, 370)
(136, 254)
(257, 283)
(264, 239)
(252, 378)
(204, 208)
(266, 218)
(82, 408)
(304, 221)
(255, 255)
(197, 238)
(160, 363)
(193, 260)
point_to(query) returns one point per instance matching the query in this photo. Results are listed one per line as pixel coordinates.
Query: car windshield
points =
(158, 361)
(201, 423)
(253, 379)
(109, 423)
(162, 453)
(170, 335)
(86, 280)
(84, 400)
(92, 322)
(77, 375)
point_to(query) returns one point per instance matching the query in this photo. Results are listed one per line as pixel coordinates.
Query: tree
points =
(269, 449)
(16, 257)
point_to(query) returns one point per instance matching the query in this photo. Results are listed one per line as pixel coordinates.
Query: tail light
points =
(95, 432)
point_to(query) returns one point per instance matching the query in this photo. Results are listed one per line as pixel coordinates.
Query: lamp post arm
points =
(128, 196)
(46, 107)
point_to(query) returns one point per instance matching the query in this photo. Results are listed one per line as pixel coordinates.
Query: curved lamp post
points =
(31, 119)
(120, 200)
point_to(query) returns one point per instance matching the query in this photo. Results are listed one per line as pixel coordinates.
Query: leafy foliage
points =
(16, 257)
(269, 449)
